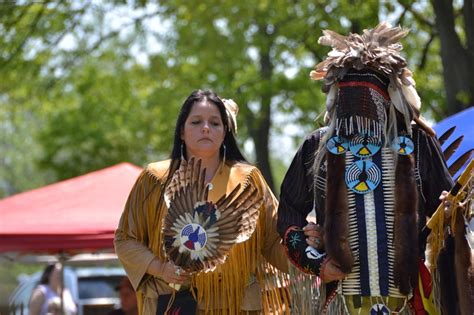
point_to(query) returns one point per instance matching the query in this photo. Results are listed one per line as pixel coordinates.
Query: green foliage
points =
(74, 97)
(103, 118)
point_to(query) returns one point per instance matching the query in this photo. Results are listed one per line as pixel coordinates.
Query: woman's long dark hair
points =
(46, 274)
(232, 151)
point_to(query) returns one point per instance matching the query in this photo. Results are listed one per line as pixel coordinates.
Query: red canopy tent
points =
(75, 215)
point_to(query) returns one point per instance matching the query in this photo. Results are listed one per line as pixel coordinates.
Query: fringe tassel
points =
(436, 222)
(308, 294)
(223, 289)
(149, 189)
(275, 295)
(358, 125)
(435, 276)
(337, 306)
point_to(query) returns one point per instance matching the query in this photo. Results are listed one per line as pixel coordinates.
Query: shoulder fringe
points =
(222, 291)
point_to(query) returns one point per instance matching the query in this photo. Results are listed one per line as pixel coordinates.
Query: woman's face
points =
(203, 131)
(55, 277)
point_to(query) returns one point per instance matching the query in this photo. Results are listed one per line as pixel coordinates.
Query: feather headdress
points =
(198, 233)
(377, 49)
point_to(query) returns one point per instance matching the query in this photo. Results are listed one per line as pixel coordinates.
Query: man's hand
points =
(448, 204)
(330, 271)
(314, 235)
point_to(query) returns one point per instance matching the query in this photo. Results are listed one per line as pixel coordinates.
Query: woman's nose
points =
(205, 127)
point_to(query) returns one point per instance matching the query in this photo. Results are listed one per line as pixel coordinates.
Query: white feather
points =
(336, 53)
(331, 97)
(412, 97)
(396, 97)
(400, 103)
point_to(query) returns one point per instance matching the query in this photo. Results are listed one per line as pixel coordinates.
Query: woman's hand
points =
(168, 271)
(314, 235)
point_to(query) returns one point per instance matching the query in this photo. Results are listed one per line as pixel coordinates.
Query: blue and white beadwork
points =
(193, 237)
(363, 145)
(362, 176)
(337, 145)
(403, 145)
(379, 309)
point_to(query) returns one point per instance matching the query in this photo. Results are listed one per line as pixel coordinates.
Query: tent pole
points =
(62, 260)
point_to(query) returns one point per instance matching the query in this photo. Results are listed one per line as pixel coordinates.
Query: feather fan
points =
(198, 233)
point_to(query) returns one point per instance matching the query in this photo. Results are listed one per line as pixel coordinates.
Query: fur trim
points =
(406, 225)
(446, 278)
(336, 226)
(463, 267)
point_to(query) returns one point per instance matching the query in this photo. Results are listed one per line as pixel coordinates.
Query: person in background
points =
(128, 299)
(205, 129)
(48, 292)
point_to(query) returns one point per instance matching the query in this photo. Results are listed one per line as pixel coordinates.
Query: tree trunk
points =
(458, 61)
(260, 130)
(261, 140)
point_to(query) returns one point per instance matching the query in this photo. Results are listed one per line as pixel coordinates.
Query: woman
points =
(205, 129)
(46, 296)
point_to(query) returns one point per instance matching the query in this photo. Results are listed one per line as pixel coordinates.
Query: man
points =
(372, 176)
(128, 299)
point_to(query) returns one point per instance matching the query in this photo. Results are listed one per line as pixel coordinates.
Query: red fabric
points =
(78, 214)
(367, 85)
(426, 283)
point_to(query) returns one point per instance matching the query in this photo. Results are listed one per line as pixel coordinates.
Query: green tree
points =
(260, 55)
(457, 52)
(445, 52)
(86, 84)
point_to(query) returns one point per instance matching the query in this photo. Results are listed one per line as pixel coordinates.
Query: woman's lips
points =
(205, 139)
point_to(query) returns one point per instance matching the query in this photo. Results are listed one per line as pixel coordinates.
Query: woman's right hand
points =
(168, 271)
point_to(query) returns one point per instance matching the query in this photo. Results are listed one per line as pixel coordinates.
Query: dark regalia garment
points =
(372, 176)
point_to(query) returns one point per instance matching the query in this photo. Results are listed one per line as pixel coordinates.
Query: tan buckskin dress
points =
(245, 283)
